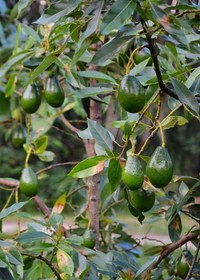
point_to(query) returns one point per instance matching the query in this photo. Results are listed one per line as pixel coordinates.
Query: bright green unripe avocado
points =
(31, 99)
(19, 137)
(159, 169)
(28, 182)
(182, 268)
(131, 94)
(54, 94)
(132, 174)
(88, 239)
(142, 200)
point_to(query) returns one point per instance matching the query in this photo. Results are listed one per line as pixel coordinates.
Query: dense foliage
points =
(100, 89)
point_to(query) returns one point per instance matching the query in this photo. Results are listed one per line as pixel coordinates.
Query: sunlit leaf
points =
(88, 167)
(59, 205)
(41, 144)
(65, 262)
(12, 209)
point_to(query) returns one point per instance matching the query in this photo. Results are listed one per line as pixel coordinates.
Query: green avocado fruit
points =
(54, 94)
(159, 169)
(142, 200)
(31, 99)
(19, 137)
(131, 94)
(28, 182)
(88, 239)
(182, 268)
(132, 174)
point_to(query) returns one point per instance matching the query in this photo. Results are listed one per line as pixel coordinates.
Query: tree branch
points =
(168, 250)
(56, 165)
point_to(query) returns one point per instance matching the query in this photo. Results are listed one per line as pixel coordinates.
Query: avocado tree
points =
(116, 77)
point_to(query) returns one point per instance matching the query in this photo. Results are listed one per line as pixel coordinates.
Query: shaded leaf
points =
(158, 13)
(65, 262)
(10, 86)
(96, 75)
(23, 5)
(57, 10)
(146, 266)
(194, 210)
(185, 95)
(32, 236)
(175, 228)
(114, 173)
(88, 167)
(48, 61)
(119, 12)
(5, 274)
(12, 209)
(101, 135)
(91, 91)
(110, 49)
(59, 205)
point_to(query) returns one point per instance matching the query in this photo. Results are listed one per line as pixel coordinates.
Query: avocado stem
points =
(162, 134)
(131, 60)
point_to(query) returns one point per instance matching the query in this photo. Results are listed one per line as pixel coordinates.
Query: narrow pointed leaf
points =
(185, 95)
(114, 173)
(32, 236)
(96, 75)
(91, 91)
(119, 12)
(12, 209)
(175, 228)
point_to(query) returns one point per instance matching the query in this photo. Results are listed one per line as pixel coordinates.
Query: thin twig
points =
(50, 265)
(43, 207)
(193, 262)
(55, 166)
(68, 124)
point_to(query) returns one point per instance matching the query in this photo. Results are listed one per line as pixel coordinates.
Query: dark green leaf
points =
(31, 32)
(88, 167)
(96, 75)
(48, 61)
(110, 49)
(57, 10)
(14, 257)
(185, 95)
(23, 5)
(158, 13)
(91, 91)
(32, 236)
(101, 135)
(114, 173)
(194, 210)
(12, 209)
(175, 228)
(119, 12)
(146, 266)
(5, 274)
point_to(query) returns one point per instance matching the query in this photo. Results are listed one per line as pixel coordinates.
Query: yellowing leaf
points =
(65, 262)
(59, 204)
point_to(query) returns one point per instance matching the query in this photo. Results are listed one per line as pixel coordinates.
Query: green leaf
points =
(91, 91)
(31, 32)
(96, 75)
(81, 49)
(23, 5)
(173, 121)
(65, 262)
(146, 266)
(48, 61)
(194, 210)
(41, 144)
(110, 49)
(88, 167)
(101, 135)
(14, 257)
(5, 274)
(32, 236)
(157, 12)
(10, 86)
(13, 60)
(114, 173)
(46, 156)
(175, 228)
(193, 76)
(185, 95)
(139, 67)
(59, 205)
(58, 10)
(12, 209)
(118, 14)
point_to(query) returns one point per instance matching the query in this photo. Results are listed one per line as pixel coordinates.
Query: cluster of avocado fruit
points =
(159, 169)
(53, 94)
